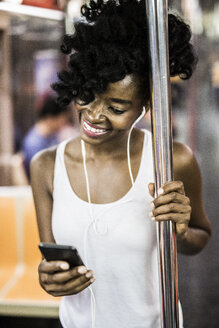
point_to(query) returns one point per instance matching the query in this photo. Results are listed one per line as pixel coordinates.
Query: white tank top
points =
(121, 250)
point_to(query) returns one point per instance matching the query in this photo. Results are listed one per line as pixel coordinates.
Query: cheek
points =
(124, 121)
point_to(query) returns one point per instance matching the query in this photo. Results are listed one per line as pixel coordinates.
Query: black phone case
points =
(54, 252)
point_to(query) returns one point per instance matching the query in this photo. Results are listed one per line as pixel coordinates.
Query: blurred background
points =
(30, 36)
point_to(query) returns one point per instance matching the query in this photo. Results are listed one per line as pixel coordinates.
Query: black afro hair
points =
(110, 41)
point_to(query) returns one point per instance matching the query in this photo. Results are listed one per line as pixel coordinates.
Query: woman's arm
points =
(187, 170)
(181, 201)
(55, 277)
(41, 173)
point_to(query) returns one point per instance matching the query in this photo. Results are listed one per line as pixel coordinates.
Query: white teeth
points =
(98, 131)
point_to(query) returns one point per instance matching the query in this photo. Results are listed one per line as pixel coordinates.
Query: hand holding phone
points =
(56, 277)
(55, 252)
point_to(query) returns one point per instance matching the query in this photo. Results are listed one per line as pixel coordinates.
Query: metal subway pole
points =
(157, 16)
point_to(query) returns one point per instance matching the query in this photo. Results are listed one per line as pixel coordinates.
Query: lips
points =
(92, 130)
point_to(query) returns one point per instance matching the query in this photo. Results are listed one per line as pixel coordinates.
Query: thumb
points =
(151, 188)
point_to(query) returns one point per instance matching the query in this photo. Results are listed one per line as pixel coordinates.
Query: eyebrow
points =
(121, 101)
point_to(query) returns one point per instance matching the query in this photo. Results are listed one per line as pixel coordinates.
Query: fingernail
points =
(160, 191)
(153, 219)
(64, 266)
(151, 214)
(152, 205)
(88, 275)
(92, 280)
(82, 270)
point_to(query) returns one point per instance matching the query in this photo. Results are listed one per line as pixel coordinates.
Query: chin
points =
(93, 140)
(111, 136)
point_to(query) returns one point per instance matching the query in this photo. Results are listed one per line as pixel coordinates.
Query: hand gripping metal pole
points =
(157, 16)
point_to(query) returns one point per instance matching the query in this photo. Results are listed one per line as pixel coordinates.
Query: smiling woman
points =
(92, 191)
(111, 112)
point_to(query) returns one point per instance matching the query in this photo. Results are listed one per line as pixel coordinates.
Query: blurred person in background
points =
(45, 132)
(71, 128)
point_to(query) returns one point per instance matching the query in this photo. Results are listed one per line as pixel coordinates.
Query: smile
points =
(93, 131)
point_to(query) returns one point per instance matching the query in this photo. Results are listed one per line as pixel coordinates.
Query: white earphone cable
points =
(83, 150)
(93, 301)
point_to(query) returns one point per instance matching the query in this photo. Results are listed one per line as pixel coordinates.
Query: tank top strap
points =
(59, 168)
(146, 169)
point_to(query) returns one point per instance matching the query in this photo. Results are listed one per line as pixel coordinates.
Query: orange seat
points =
(8, 254)
(20, 291)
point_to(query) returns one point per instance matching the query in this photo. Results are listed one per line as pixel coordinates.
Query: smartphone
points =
(55, 252)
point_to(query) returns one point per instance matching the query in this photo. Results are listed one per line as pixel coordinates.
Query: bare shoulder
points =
(44, 157)
(184, 163)
(182, 154)
(42, 167)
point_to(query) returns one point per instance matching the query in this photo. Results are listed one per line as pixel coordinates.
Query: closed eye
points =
(116, 110)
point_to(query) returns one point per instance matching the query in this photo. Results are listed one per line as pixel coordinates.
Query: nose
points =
(96, 112)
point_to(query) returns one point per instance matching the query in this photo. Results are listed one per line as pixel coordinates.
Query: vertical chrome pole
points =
(157, 15)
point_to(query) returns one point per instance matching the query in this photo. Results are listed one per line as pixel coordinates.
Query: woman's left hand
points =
(172, 204)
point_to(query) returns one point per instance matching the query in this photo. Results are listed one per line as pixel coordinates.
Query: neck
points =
(112, 148)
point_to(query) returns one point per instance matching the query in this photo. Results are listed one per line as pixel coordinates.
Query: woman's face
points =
(110, 115)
